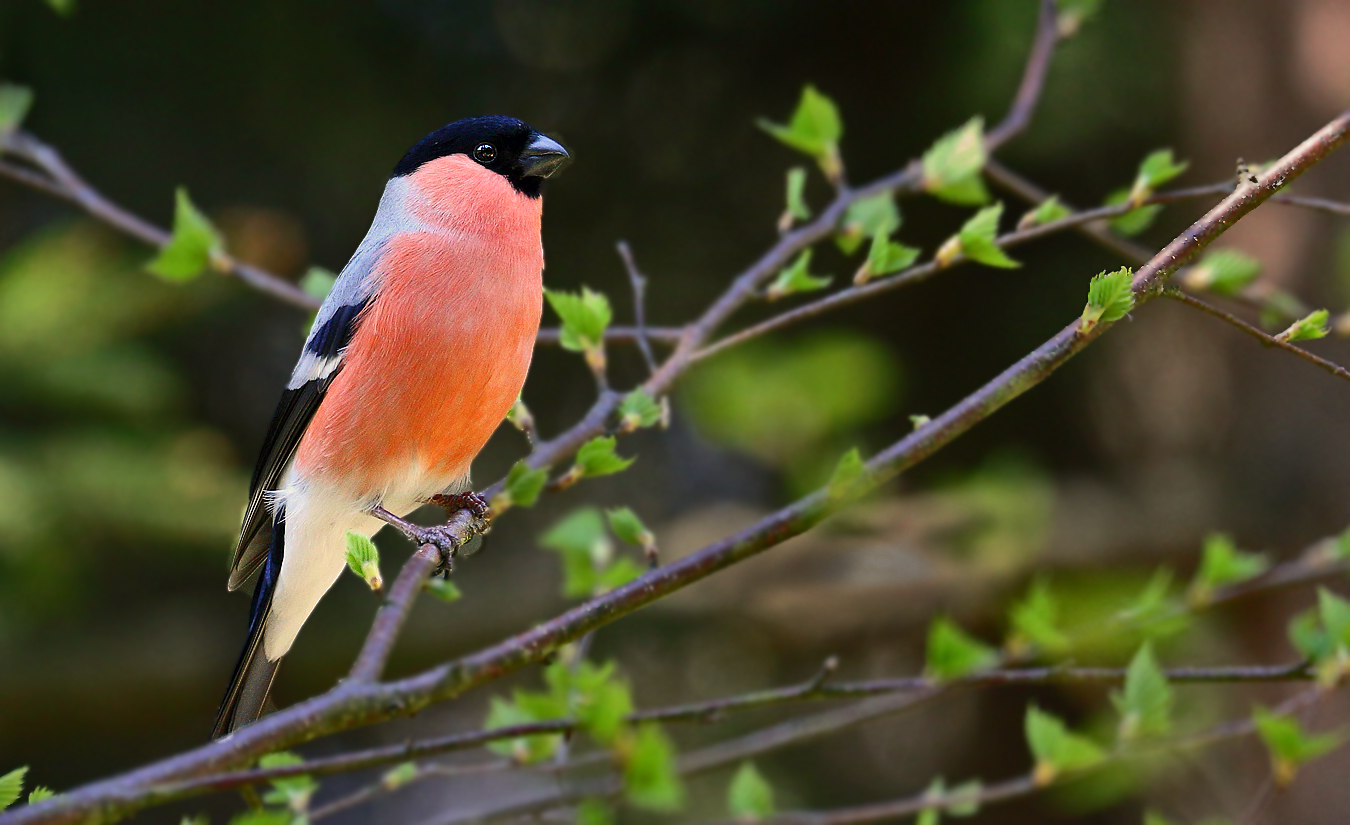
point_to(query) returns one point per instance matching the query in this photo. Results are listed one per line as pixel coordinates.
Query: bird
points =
(416, 355)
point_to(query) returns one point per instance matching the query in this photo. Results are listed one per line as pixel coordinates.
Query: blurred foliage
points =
(98, 446)
(811, 397)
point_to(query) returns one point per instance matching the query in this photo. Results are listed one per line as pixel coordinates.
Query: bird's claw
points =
(448, 539)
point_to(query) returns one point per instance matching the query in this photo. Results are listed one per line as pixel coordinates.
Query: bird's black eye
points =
(485, 153)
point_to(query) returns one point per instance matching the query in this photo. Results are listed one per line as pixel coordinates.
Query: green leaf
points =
(1109, 299)
(65, 8)
(1222, 564)
(629, 528)
(594, 812)
(1145, 704)
(40, 794)
(1308, 328)
(964, 799)
(193, 243)
(1074, 13)
(1158, 168)
(1223, 272)
(952, 653)
(1049, 211)
(1323, 637)
(363, 559)
(11, 786)
(867, 218)
(1151, 818)
(750, 797)
(1335, 615)
(1308, 637)
(521, 488)
(637, 410)
(1035, 621)
(815, 130)
(1290, 746)
(1136, 220)
(292, 791)
(580, 539)
(399, 775)
(961, 801)
(1153, 605)
(15, 101)
(526, 749)
(1339, 548)
(796, 278)
(318, 282)
(443, 589)
(597, 458)
(584, 316)
(265, 817)
(1056, 749)
(620, 572)
(649, 776)
(593, 694)
(977, 239)
(884, 257)
(847, 473)
(199, 819)
(796, 200)
(952, 166)
(520, 417)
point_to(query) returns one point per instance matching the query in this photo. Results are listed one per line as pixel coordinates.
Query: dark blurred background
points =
(131, 409)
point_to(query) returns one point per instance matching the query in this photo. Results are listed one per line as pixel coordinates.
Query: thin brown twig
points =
(77, 191)
(1266, 339)
(1033, 194)
(424, 771)
(622, 335)
(1029, 783)
(1033, 77)
(912, 275)
(639, 284)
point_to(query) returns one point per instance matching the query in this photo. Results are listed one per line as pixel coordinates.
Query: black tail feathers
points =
(252, 680)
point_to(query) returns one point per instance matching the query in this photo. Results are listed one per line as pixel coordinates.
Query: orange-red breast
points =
(414, 358)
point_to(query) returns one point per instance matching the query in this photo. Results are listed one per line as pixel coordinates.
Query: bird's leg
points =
(449, 538)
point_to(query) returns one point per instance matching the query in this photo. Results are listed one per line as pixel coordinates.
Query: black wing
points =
(323, 352)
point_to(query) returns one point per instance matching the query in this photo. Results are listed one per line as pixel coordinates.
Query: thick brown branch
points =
(369, 665)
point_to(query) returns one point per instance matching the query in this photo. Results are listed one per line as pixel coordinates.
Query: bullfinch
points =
(417, 354)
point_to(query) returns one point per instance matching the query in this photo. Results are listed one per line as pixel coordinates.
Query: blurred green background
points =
(131, 409)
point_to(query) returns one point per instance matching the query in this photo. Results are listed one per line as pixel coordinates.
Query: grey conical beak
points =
(542, 157)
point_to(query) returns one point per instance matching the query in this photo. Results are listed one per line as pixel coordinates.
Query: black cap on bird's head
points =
(505, 145)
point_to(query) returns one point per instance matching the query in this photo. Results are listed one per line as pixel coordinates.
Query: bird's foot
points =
(457, 536)
(447, 542)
